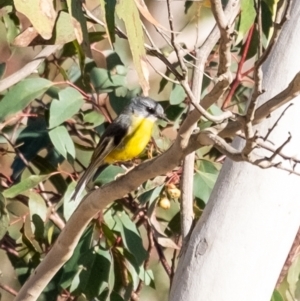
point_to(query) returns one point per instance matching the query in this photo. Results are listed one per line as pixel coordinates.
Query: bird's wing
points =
(111, 139)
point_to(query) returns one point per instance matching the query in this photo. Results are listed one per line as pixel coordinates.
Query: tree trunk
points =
(241, 242)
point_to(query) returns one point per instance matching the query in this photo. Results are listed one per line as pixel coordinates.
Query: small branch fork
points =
(253, 115)
(224, 74)
(210, 137)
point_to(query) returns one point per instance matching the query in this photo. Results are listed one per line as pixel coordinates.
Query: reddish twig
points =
(239, 75)
(8, 289)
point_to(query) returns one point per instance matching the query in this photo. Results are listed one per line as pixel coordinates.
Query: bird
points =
(125, 138)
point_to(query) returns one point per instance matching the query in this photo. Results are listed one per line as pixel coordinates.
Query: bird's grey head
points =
(148, 107)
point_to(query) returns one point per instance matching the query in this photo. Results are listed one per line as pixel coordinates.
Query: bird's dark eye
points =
(151, 110)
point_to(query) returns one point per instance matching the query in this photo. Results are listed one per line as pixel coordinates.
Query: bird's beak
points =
(163, 117)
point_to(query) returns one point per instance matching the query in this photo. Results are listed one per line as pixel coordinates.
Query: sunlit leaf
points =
(128, 12)
(12, 29)
(148, 277)
(41, 14)
(24, 185)
(68, 204)
(247, 18)
(293, 274)
(64, 30)
(276, 296)
(94, 118)
(37, 205)
(167, 243)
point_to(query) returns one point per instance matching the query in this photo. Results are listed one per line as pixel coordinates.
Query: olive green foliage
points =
(50, 124)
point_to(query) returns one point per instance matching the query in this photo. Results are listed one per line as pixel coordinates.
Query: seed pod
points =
(164, 203)
(172, 191)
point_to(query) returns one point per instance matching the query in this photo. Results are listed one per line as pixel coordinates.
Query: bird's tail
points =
(83, 181)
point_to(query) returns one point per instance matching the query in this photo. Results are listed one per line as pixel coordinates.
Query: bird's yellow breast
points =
(135, 142)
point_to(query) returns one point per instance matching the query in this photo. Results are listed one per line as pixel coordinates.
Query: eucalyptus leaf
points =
(68, 104)
(62, 141)
(24, 185)
(177, 95)
(20, 95)
(4, 217)
(204, 180)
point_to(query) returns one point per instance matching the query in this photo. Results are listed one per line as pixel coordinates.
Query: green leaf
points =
(247, 18)
(150, 195)
(37, 205)
(96, 36)
(109, 174)
(128, 12)
(64, 29)
(21, 95)
(108, 12)
(267, 20)
(147, 277)
(71, 267)
(62, 141)
(12, 28)
(293, 274)
(41, 15)
(130, 236)
(47, 165)
(131, 265)
(4, 217)
(69, 103)
(24, 185)
(101, 271)
(94, 118)
(177, 95)
(80, 25)
(103, 81)
(276, 296)
(38, 227)
(68, 204)
(204, 180)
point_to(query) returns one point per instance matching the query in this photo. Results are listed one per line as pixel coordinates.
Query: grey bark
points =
(240, 244)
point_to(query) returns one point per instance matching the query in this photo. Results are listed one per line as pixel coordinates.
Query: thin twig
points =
(162, 257)
(258, 76)
(8, 289)
(276, 122)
